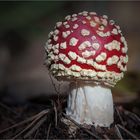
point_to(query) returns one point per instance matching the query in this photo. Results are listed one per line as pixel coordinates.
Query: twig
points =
(38, 124)
(118, 132)
(127, 131)
(106, 137)
(8, 108)
(48, 132)
(36, 134)
(86, 130)
(56, 114)
(29, 126)
(56, 90)
(122, 122)
(16, 125)
(53, 84)
(59, 88)
(21, 132)
(133, 114)
(23, 122)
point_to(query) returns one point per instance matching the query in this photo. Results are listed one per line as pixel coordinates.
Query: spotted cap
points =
(86, 46)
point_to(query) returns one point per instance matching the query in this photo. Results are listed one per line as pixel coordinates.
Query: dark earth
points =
(43, 118)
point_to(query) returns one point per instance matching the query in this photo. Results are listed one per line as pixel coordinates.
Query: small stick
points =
(128, 132)
(23, 122)
(55, 111)
(59, 88)
(8, 108)
(86, 130)
(48, 132)
(136, 117)
(29, 126)
(106, 137)
(38, 124)
(53, 84)
(36, 133)
(118, 132)
(18, 124)
(122, 122)
(56, 90)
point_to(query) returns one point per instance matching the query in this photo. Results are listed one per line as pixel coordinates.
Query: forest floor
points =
(45, 118)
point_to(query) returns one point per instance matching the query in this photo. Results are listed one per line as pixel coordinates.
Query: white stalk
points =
(90, 104)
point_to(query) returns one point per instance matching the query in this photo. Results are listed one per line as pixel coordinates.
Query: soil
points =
(45, 118)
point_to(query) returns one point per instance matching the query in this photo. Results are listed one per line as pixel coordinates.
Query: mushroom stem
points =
(90, 104)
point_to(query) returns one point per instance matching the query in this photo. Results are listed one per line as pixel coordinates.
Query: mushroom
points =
(89, 51)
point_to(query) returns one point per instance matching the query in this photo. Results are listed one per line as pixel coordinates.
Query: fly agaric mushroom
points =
(89, 51)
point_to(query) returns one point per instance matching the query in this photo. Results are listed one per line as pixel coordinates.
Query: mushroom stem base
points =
(90, 104)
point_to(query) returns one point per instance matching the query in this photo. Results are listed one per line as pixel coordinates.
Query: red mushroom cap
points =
(89, 47)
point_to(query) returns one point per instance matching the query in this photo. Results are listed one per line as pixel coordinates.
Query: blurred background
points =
(24, 27)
